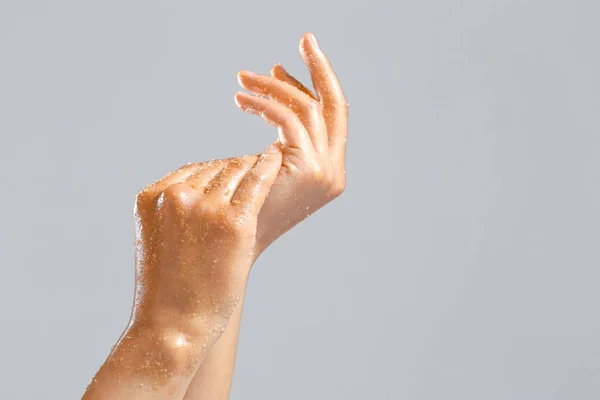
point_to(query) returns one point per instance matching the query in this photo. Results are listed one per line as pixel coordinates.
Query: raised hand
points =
(195, 237)
(196, 231)
(312, 135)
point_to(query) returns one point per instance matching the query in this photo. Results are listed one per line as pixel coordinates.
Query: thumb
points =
(255, 187)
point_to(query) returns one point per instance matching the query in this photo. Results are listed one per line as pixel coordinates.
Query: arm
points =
(213, 379)
(312, 130)
(195, 230)
(148, 362)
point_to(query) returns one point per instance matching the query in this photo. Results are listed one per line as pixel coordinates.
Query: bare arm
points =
(312, 132)
(148, 363)
(214, 377)
(195, 231)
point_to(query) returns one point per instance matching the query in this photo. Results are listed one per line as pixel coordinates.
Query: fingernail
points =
(273, 148)
(313, 39)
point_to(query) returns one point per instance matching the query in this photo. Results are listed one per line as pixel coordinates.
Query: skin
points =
(195, 241)
(200, 228)
(312, 131)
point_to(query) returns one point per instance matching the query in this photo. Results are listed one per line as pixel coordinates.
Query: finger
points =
(226, 182)
(291, 131)
(154, 190)
(254, 189)
(305, 107)
(328, 88)
(175, 196)
(280, 73)
(205, 174)
(180, 174)
(326, 84)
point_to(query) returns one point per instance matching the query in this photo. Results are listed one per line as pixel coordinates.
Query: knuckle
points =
(313, 108)
(147, 197)
(207, 165)
(337, 187)
(142, 197)
(236, 164)
(177, 193)
(290, 123)
(250, 158)
(317, 173)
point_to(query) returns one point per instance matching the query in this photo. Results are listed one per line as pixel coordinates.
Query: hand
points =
(312, 134)
(195, 235)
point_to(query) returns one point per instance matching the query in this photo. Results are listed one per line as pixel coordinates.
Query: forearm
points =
(148, 363)
(213, 378)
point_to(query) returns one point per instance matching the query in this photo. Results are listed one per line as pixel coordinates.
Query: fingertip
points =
(271, 158)
(270, 164)
(302, 45)
(308, 37)
(255, 188)
(273, 148)
(277, 68)
(241, 75)
(274, 70)
(240, 81)
(308, 40)
(237, 98)
(279, 72)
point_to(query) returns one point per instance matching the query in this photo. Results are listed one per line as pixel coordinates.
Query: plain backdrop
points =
(460, 263)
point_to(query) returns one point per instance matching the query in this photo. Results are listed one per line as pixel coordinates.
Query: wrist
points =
(262, 242)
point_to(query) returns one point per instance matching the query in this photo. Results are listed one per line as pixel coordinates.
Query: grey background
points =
(461, 262)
